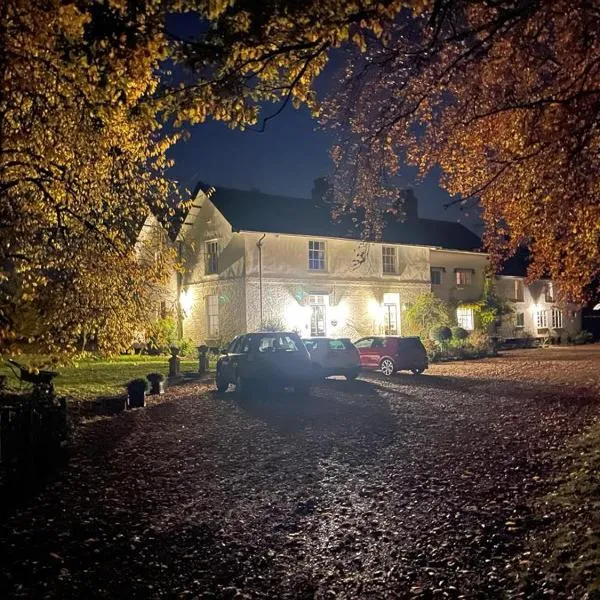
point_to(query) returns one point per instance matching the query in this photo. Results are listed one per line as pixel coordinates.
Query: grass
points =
(94, 377)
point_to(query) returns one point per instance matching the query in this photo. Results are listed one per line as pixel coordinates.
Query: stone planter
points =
(157, 383)
(136, 393)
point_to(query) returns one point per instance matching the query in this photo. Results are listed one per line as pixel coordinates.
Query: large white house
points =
(253, 260)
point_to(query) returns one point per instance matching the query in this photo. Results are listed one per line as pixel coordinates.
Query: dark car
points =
(333, 356)
(391, 354)
(269, 359)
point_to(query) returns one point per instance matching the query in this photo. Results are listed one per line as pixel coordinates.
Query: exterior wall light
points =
(185, 302)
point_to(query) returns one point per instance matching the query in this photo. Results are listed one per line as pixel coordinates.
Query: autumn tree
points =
(81, 161)
(505, 97)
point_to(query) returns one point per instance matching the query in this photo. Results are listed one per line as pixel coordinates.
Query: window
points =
(436, 276)
(464, 318)
(235, 345)
(212, 316)
(364, 343)
(541, 319)
(336, 345)
(549, 292)
(520, 320)
(463, 277)
(316, 256)
(388, 256)
(278, 342)
(556, 318)
(518, 290)
(318, 308)
(212, 258)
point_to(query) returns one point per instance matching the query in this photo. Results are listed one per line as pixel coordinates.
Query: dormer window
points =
(388, 257)
(212, 257)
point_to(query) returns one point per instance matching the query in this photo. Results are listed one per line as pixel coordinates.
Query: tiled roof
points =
(256, 211)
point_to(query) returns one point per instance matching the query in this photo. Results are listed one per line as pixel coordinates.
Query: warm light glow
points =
(534, 309)
(297, 317)
(185, 302)
(376, 311)
(338, 314)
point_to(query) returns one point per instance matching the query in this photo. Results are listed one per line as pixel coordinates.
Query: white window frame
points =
(212, 257)
(519, 290)
(522, 324)
(465, 317)
(556, 318)
(317, 255)
(467, 274)
(541, 319)
(389, 260)
(212, 316)
(318, 304)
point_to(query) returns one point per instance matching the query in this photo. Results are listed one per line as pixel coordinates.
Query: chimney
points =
(409, 205)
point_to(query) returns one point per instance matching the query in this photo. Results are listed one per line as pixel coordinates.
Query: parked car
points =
(333, 356)
(269, 359)
(392, 353)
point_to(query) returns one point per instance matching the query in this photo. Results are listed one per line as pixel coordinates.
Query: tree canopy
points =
(81, 160)
(503, 95)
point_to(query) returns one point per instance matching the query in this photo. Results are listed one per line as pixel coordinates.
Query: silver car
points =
(333, 356)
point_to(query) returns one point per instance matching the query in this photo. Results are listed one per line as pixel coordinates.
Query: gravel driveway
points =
(414, 486)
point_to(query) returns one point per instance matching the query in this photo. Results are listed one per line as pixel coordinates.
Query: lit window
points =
(436, 276)
(463, 277)
(464, 318)
(549, 292)
(212, 258)
(541, 319)
(518, 290)
(316, 256)
(388, 255)
(520, 320)
(557, 318)
(212, 316)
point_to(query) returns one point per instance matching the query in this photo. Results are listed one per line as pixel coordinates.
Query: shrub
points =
(186, 347)
(458, 333)
(433, 351)
(583, 337)
(441, 334)
(426, 311)
(481, 342)
(162, 334)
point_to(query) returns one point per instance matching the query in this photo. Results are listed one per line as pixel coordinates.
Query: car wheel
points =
(387, 366)
(351, 375)
(220, 383)
(417, 371)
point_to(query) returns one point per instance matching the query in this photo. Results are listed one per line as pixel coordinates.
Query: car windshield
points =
(310, 344)
(277, 342)
(339, 344)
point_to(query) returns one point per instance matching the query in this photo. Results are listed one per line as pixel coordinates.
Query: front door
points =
(318, 315)
(390, 319)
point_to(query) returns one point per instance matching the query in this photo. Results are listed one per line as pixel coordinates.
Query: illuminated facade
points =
(238, 279)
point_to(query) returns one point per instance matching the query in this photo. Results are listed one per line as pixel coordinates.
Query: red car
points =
(391, 354)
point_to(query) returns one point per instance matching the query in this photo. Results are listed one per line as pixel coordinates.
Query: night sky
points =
(286, 158)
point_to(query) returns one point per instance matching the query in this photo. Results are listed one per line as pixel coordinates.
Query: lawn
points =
(93, 377)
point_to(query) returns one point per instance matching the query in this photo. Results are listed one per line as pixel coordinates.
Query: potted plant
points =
(157, 383)
(136, 393)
